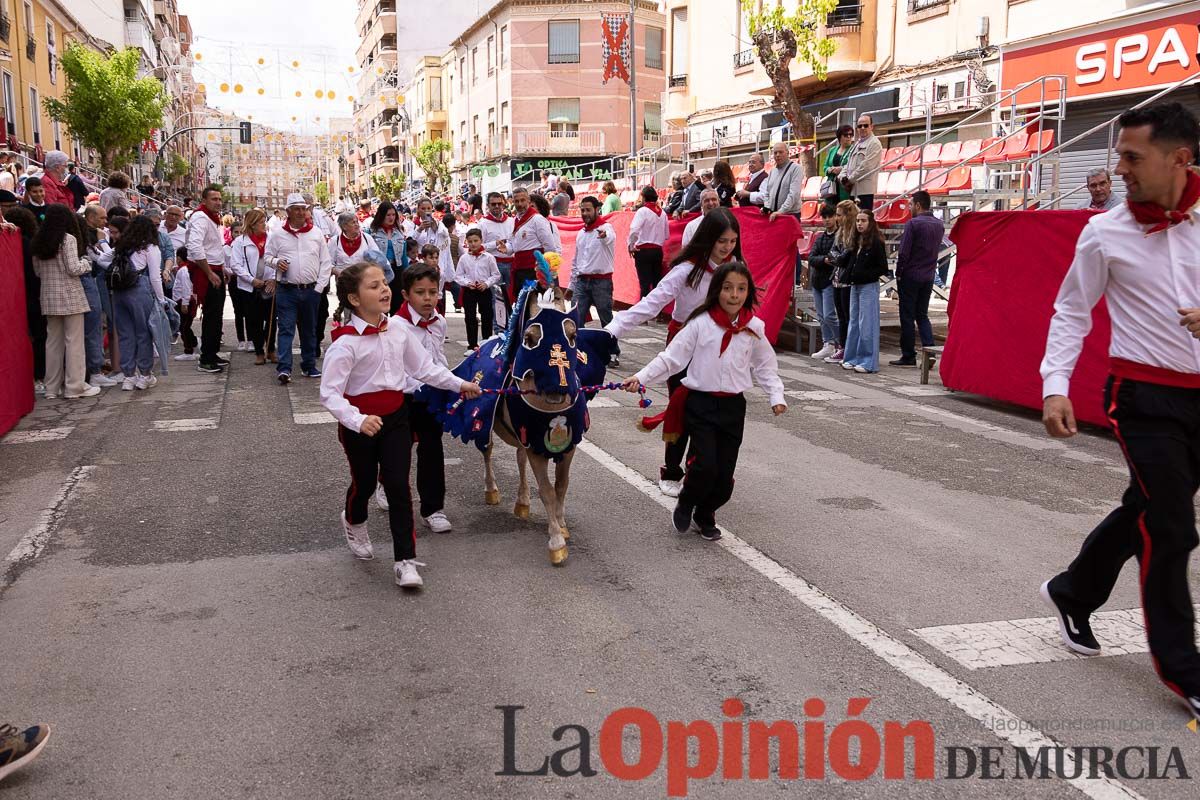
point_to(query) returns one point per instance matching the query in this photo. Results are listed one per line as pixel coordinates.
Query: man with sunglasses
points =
(497, 228)
(862, 169)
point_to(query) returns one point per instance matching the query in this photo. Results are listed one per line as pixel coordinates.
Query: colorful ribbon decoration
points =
(643, 401)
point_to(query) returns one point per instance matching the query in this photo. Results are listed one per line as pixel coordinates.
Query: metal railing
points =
(678, 81)
(743, 58)
(558, 141)
(920, 5)
(845, 16)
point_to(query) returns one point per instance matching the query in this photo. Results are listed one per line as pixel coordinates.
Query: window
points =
(10, 104)
(960, 89)
(652, 120)
(504, 127)
(491, 46)
(28, 18)
(462, 74)
(57, 136)
(563, 115)
(474, 65)
(50, 34)
(503, 53)
(564, 42)
(654, 48)
(679, 42)
(435, 93)
(34, 116)
(491, 137)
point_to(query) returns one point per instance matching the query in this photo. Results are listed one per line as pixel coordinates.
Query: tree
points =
(431, 157)
(780, 37)
(388, 187)
(321, 192)
(105, 105)
(176, 167)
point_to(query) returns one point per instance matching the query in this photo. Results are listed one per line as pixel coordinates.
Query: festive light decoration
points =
(198, 56)
(237, 88)
(319, 94)
(224, 87)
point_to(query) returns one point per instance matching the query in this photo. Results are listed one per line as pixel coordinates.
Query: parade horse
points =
(533, 376)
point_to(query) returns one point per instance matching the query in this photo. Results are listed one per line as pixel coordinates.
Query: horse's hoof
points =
(565, 533)
(491, 497)
(558, 557)
(521, 511)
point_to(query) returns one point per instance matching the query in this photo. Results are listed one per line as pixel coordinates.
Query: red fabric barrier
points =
(1010, 267)
(768, 247)
(16, 356)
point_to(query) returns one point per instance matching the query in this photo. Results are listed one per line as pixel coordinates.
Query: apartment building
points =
(424, 116)
(524, 92)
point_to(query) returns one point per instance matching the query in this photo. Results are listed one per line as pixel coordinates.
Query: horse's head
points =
(546, 356)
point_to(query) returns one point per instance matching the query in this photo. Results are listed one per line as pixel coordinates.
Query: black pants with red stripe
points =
(1159, 431)
(385, 457)
(714, 425)
(431, 457)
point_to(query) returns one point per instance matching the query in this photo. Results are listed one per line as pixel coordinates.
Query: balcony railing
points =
(678, 81)
(920, 5)
(551, 141)
(743, 58)
(849, 15)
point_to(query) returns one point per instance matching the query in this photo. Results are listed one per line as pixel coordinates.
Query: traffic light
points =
(244, 132)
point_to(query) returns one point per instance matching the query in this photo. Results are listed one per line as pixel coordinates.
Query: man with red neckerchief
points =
(592, 270)
(206, 259)
(1142, 258)
(531, 234)
(497, 228)
(298, 254)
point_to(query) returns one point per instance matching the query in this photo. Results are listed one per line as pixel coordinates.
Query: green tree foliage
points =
(388, 187)
(431, 158)
(321, 192)
(781, 37)
(106, 106)
(177, 167)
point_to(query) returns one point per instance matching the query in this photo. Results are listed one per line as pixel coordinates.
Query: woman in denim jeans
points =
(868, 260)
(820, 271)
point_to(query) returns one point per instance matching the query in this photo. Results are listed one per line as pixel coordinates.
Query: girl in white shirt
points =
(133, 307)
(362, 385)
(717, 240)
(725, 349)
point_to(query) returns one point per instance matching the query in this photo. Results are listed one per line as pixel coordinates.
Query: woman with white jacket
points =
(351, 246)
(255, 277)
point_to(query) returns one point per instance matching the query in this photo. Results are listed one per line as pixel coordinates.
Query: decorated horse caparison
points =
(533, 376)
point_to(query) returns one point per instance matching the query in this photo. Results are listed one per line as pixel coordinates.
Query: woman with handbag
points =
(257, 281)
(834, 191)
(59, 264)
(135, 280)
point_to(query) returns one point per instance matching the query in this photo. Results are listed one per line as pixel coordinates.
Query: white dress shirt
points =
(477, 269)
(306, 253)
(431, 337)
(594, 255)
(673, 286)
(178, 236)
(534, 234)
(648, 228)
(321, 220)
(749, 358)
(689, 231)
(181, 291)
(494, 232)
(337, 254)
(205, 240)
(357, 365)
(1144, 278)
(246, 265)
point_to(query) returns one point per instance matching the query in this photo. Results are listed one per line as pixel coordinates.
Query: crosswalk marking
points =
(179, 425)
(1011, 642)
(644, 340)
(921, 391)
(603, 402)
(816, 395)
(312, 417)
(47, 435)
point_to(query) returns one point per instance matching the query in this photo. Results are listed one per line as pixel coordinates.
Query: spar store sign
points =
(1108, 59)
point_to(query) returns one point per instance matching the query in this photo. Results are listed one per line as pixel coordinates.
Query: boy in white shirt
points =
(476, 274)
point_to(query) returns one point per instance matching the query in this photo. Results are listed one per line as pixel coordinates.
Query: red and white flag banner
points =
(617, 52)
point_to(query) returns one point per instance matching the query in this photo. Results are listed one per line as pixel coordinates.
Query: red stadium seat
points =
(997, 152)
(1016, 148)
(968, 150)
(930, 154)
(912, 157)
(812, 188)
(949, 155)
(936, 181)
(898, 213)
(959, 179)
(809, 211)
(988, 147)
(1046, 144)
(892, 158)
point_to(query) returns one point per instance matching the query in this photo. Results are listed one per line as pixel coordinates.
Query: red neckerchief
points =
(412, 316)
(287, 226)
(350, 330)
(260, 241)
(710, 269)
(213, 215)
(1158, 217)
(731, 327)
(495, 219)
(351, 247)
(530, 213)
(596, 223)
(653, 207)
(475, 253)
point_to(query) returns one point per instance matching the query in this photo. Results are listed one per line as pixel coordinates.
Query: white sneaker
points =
(357, 539)
(381, 498)
(115, 377)
(100, 379)
(139, 382)
(828, 350)
(150, 381)
(39, 387)
(860, 369)
(90, 391)
(407, 575)
(187, 357)
(175, 339)
(129, 384)
(670, 488)
(470, 352)
(241, 347)
(437, 522)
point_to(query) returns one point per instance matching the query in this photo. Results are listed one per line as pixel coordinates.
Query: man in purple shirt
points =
(916, 265)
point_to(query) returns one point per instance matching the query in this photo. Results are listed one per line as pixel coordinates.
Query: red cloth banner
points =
(768, 247)
(1010, 267)
(616, 55)
(16, 355)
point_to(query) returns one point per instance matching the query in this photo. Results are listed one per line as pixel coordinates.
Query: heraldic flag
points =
(617, 52)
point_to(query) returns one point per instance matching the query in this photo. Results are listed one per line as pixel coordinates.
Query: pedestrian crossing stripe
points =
(181, 425)
(46, 435)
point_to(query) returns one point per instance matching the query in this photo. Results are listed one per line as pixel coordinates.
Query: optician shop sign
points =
(1109, 59)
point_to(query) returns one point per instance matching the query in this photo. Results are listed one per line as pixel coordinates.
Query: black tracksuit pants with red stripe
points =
(386, 456)
(1159, 431)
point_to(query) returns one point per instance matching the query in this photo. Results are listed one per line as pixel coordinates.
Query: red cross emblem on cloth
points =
(616, 46)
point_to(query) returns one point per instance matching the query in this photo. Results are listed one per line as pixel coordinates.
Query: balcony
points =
(846, 15)
(677, 82)
(588, 142)
(743, 58)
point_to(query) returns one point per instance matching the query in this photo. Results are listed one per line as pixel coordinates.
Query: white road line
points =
(644, 340)
(603, 402)
(47, 435)
(922, 391)
(816, 395)
(1009, 642)
(312, 417)
(908, 662)
(34, 542)
(180, 425)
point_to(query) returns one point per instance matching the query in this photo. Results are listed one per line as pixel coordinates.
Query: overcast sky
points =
(318, 35)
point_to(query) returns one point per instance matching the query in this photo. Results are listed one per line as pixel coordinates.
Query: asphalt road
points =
(185, 615)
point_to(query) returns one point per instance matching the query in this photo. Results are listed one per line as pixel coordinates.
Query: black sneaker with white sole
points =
(681, 518)
(709, 533)
(211, 369)
(222, 361)
(285, 378)
(1074, 628)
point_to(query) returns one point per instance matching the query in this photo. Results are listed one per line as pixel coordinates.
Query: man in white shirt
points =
(709, 199)
(531, 233)
(754, 181)
(172, 226)
(298, 254)
(206, 255)
(781, 192)
(497, 228)
(647, 234)
(592, 270)
(1142, 258)
(320, 219)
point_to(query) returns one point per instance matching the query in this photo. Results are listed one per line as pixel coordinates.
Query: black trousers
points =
(519, 279)
(477, 303)
(914, 316)
(431, 458)
(841, 300)
(672, 468)
(866, 202)
(397, 287)
(714, 425)
(37, 324)
(649, 264)
(185, 327)
(210, 327)
(384, 457)
(1159, 431)
(260, 323)
(241, 302)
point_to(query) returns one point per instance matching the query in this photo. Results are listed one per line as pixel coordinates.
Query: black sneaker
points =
(1075, 629)
(681, 518)
(222, 361)
(902, 362)
(311, 373)
(709, 533)
(210, 368)
(285, 378)
(19, 747)
(614, 363)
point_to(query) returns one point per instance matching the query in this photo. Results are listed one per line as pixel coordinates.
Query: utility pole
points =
(633, 137)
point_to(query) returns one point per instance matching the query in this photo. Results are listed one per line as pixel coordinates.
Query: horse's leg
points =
(562, 479)
(491, 492)
(557, 544)
(521, 509)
